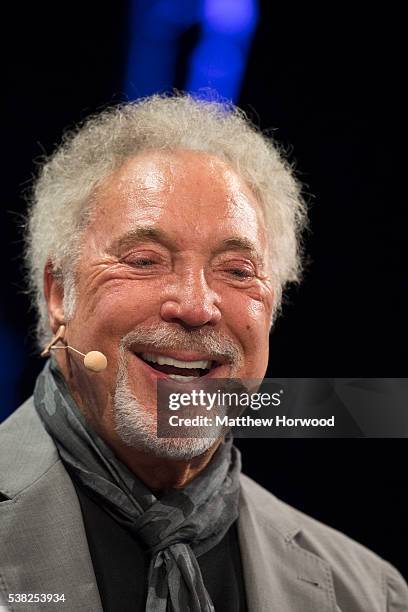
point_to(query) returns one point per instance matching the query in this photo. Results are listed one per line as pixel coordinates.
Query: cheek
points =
(251, 311)
(249, 321)
(119, 307)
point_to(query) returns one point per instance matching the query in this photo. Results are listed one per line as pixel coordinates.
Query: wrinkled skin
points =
(184, 277)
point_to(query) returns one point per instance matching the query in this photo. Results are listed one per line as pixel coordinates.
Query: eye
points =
(236, 269)
(240, 273)
(143, 262)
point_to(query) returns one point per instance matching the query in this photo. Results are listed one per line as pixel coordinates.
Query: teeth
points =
(183, 378)
(164, 360)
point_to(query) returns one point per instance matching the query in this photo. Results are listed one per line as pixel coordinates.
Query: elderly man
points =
(160, 237)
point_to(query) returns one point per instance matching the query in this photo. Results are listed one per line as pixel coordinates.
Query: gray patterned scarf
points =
(175, 529)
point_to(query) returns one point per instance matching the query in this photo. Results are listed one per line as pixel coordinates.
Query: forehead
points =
(182, 191)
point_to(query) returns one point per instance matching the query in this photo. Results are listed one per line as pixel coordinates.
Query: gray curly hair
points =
(60, 203)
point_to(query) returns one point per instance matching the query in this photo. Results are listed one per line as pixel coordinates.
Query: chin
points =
(177, 449)
(137, 429)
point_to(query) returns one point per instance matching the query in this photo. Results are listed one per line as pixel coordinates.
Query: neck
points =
(161, 474)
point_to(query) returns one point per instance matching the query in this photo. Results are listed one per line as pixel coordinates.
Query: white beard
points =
(137, 428)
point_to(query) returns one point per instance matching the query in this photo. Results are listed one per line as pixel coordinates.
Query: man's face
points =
(173, 268)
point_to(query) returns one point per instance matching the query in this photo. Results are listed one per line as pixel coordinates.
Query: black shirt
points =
(121, 565)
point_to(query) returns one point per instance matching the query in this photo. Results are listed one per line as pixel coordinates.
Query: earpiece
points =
(94, 360)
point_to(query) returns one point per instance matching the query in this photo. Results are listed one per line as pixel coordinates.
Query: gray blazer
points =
(291, 562)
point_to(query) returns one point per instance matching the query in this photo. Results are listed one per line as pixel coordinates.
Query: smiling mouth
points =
(176, 369)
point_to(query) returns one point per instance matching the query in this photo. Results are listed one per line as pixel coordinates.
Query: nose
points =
(191, 302)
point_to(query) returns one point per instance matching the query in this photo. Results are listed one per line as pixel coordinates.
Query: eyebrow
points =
(138, 234)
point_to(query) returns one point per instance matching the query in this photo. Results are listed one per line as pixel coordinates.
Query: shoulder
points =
(26, 450)
(349, 561)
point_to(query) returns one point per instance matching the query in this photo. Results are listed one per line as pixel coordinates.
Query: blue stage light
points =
(217, 64)
(231, 17)
(155, 28)
(218, 60)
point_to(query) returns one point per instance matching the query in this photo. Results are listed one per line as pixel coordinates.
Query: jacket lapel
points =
(280, 575)
(42, 538)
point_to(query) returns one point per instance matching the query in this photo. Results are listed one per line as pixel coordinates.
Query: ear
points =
(54, 295)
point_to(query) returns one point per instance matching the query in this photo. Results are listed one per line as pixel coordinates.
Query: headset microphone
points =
(94, 360)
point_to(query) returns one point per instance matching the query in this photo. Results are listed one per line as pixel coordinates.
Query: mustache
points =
(200, 340)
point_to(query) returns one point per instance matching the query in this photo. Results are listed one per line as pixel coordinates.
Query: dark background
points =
(331, 84)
